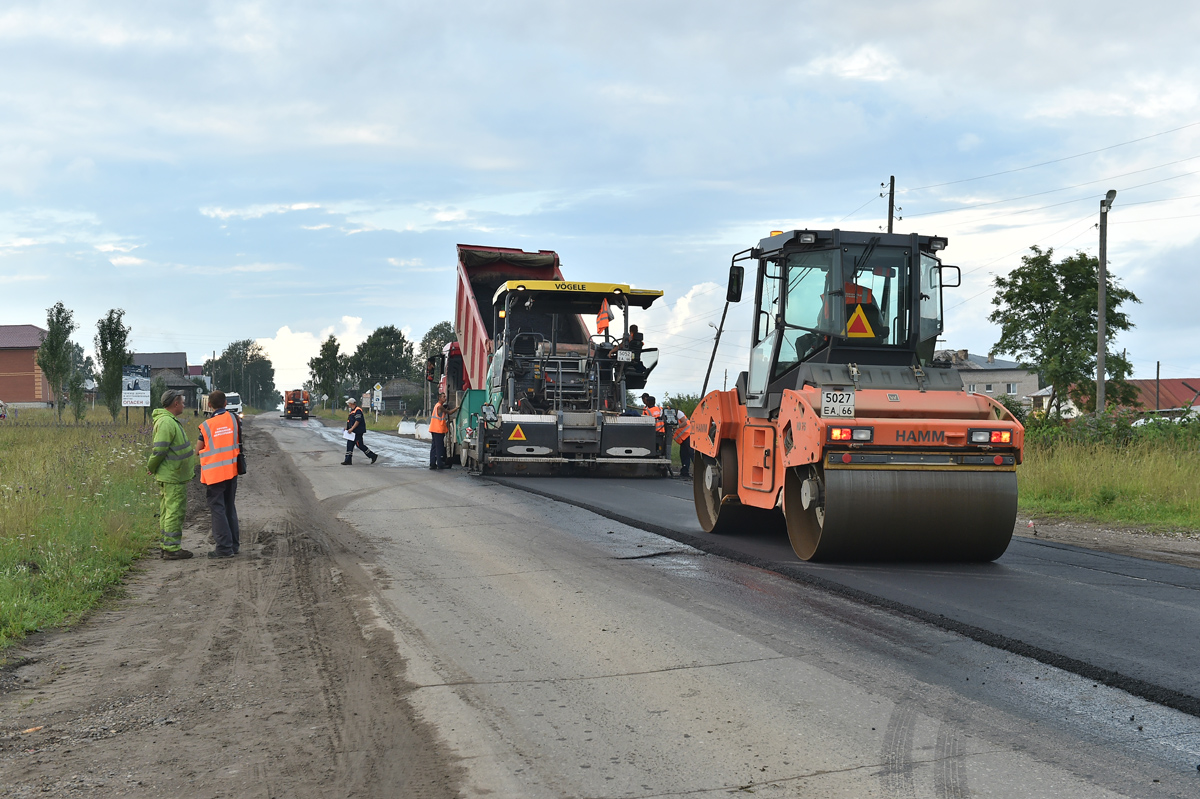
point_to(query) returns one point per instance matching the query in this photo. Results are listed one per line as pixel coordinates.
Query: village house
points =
(986, 374)
(172, 368)
(22, 384)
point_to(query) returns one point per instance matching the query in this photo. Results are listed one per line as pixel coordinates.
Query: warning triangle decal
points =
(517, 435)
(858, 327)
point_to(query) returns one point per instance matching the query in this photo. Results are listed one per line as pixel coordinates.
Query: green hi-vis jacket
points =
(172, 458)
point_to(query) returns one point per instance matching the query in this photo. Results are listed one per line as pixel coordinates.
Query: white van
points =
(233, 403)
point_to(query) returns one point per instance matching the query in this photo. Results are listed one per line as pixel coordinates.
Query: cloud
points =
(867, 63)
(255, 211)
(126, 260)
(290, 351)
(116, 247)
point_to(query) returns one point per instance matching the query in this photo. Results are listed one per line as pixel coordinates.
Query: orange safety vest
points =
(656, 412)
(218, 459)
(683, 429)
(604, 317)
(437, 421)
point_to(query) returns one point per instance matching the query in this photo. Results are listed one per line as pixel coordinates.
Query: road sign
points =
(135, 386)
(377, 400)
(379, 387)
(324, 397)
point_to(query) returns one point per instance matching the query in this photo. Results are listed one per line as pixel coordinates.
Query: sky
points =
(283, 171)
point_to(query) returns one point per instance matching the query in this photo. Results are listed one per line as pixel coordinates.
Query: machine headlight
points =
(980, 437)
(808, 238)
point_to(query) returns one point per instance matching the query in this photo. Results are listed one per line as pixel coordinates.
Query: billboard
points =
(135, 386)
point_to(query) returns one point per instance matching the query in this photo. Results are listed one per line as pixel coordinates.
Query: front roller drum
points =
(896, 515)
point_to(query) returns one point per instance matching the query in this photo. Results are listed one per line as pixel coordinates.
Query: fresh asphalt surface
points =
(1127, 622)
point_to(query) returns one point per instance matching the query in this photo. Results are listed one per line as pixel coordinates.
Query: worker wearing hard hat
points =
(356, 425)
(438, 427)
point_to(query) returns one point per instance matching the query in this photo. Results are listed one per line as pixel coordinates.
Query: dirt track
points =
(250, 677)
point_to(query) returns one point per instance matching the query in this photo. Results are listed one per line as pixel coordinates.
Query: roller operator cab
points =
(553, 396)
(843, 427)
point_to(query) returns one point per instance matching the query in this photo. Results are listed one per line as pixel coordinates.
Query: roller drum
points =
(896, 515)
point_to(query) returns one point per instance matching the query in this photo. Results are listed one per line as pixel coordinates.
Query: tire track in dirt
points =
(249, 677)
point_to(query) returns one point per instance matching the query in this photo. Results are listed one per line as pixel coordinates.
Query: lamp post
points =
(1101, 301)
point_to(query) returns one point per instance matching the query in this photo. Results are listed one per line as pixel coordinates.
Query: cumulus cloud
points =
(290, 351)
(867, 63)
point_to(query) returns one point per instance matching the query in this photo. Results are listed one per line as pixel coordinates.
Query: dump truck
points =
(531, 390)
(296, 404)
(844, 427)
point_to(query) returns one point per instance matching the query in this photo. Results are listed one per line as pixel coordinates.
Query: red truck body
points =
(481, 270)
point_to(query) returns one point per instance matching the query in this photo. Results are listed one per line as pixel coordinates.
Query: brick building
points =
(21, 381)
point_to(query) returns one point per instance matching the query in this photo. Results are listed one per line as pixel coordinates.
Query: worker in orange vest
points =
(652, 409)
(438, 427)
(218, 447)
(683, 437)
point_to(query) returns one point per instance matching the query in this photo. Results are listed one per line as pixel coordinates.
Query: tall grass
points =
(76, 510)
(1107, 470)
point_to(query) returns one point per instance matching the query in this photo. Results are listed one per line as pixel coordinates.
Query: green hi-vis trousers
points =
(171, 509)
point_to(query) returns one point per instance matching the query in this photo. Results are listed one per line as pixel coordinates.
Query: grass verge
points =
(1149, 484)
(76, 511)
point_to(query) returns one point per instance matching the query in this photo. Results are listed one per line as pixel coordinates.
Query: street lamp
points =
(1101, 303)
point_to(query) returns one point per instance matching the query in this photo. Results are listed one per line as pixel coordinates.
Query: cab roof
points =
(564, 296)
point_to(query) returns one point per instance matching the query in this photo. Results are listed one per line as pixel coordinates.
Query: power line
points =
(1054, 161)
(856, 210)
(1068, 188)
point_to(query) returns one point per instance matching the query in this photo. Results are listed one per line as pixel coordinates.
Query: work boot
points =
(216, 553)
(372, 456)
(176, 554)
(348, 461)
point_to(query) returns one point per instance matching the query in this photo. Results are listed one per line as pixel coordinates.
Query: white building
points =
(985, 374)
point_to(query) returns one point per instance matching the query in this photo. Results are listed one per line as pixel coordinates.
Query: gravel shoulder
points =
(249, 677)
(1180, 548)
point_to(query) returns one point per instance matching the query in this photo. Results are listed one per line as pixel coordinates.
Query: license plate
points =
(837, 404)
(624, 355)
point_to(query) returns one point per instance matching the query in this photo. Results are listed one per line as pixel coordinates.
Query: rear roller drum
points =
(714, 487)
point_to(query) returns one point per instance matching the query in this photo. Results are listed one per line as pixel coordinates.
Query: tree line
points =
(66, 368)
(243, 367)
(384, 355)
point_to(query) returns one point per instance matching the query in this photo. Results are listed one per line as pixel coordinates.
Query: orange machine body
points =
(906, 427)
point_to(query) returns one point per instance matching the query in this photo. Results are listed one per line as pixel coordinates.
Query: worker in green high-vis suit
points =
(172, 462)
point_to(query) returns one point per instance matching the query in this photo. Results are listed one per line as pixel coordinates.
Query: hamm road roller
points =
(844, 423)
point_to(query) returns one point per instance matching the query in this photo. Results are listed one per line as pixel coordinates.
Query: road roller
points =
(844, 427)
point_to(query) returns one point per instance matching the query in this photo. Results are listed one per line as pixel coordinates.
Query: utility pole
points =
(891, 198)
(1157, 377)
(1101, 299)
